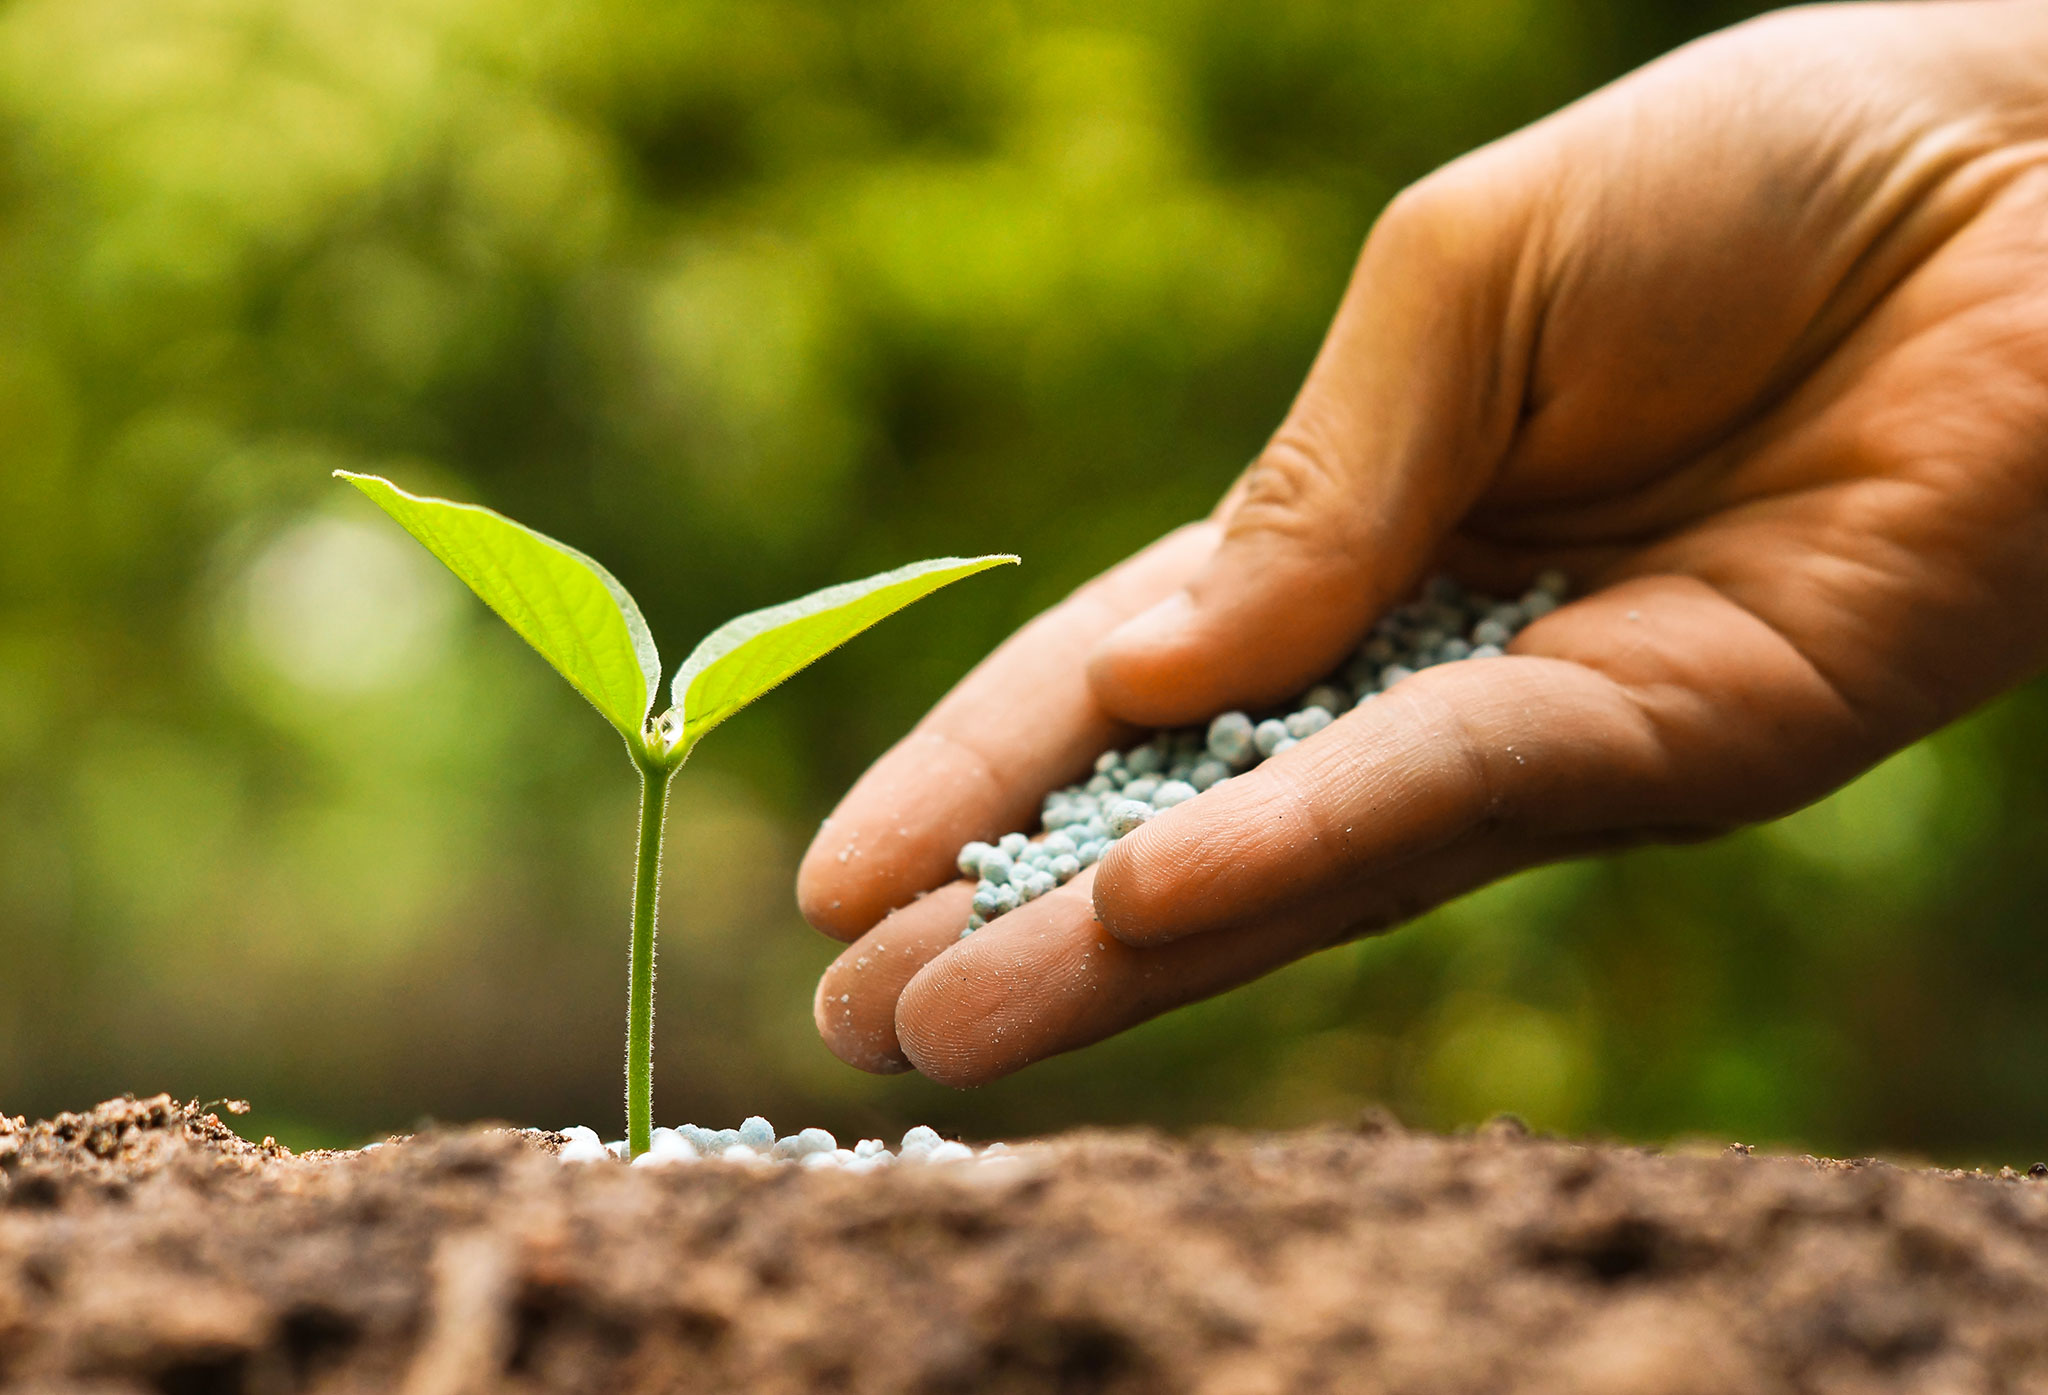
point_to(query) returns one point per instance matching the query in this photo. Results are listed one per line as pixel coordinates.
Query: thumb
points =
(1409, 407)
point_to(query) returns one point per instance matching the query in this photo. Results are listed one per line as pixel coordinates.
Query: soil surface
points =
(145, 1247)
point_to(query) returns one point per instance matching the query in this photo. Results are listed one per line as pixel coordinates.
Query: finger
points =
(1023, 722)
(1369, 823)
(855, 1006)
(1048, 978)
(1410, 406)
(1655, 704)
(1829, 608)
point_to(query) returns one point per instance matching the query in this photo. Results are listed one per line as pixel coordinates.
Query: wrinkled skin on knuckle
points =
(1312, 512)
(1289, 488)
(1700, 717)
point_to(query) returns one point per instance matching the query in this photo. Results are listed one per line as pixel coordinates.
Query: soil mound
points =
(144, 1247)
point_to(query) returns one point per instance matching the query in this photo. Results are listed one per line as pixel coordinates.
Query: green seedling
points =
(583, 623)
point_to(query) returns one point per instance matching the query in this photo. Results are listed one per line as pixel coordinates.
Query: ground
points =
(145, 1247)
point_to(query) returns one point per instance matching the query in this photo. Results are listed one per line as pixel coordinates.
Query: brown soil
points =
(145, 1247)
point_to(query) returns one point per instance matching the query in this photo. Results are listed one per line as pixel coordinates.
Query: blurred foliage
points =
(744, 299)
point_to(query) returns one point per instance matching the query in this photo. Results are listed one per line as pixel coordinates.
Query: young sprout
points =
(583, 623)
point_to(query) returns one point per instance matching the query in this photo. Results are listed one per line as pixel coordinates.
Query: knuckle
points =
(1293, 473)
(1460, 225)
(1296, 491)
(1469, 765)
(1310, 831)
(1426, 218)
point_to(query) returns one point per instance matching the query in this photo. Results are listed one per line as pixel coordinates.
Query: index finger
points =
(1024, 721)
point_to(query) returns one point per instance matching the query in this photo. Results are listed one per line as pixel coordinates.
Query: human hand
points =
(1752, 344)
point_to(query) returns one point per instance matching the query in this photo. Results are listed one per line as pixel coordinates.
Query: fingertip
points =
(1235, 850)
(1135, 893)
(1140, 670)
(943, 1040)
(941, 1063)
(1236, 635)
(860, 1043)
(855, 1005)
(1137, 669)
(1008, 995)
(835, 903)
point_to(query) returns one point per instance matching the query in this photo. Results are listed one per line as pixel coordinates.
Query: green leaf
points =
(744, 658)
(562, 603)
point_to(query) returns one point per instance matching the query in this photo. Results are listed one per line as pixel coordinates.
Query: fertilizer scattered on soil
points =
(754, 1142)
(144, 1248)
(1447, 624)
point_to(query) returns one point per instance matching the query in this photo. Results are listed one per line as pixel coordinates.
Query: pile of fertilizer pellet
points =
(754, 1142)
(1448, 623)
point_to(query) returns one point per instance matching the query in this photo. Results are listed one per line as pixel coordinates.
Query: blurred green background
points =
(745, 298)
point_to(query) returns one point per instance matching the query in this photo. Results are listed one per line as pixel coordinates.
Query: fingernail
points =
(1164, 626)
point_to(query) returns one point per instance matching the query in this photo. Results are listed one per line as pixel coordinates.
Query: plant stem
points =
(654, 778)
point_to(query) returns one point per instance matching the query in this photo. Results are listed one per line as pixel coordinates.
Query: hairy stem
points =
(654, 778)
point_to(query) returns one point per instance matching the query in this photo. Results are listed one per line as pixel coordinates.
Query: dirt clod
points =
(145, 1248)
